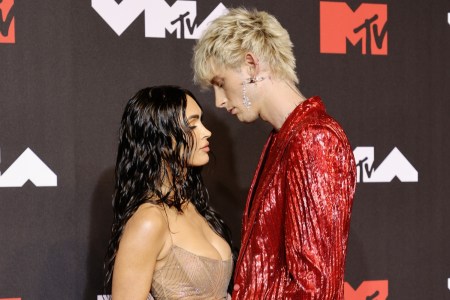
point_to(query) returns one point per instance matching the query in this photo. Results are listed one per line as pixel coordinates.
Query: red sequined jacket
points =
(297, 216)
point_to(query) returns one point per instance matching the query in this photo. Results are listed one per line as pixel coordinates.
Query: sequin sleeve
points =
(319, 193)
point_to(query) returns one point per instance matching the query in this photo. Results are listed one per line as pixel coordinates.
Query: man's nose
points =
(219, 98)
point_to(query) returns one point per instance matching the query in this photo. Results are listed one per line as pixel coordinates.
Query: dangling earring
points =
(245, 100)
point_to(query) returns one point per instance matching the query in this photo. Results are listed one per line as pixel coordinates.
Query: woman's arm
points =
(143, 238)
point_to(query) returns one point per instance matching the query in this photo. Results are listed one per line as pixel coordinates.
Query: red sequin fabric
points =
(297, 216)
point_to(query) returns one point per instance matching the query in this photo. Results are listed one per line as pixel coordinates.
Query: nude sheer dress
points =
(186, 275)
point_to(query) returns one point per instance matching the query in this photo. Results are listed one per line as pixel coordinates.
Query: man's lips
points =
(232, 110)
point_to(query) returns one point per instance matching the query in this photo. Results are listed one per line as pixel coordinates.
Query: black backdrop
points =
(65, 76)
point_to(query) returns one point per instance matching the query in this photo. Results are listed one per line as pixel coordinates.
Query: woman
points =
(165, 237)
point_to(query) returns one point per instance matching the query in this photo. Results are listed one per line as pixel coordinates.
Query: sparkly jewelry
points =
(245, 100)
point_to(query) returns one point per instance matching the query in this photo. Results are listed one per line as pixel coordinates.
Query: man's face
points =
(228, 90)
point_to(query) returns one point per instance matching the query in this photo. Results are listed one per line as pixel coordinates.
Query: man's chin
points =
(246, 120)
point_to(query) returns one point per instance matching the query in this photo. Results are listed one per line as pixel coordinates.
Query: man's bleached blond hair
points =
(228, 38)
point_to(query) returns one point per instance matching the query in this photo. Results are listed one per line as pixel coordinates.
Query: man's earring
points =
(245, 100)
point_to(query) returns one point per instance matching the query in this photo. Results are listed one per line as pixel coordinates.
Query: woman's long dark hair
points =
(155, 143)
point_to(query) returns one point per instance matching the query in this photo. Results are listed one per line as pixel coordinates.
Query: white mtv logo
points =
(28, 167)
(159, 16)
(394, 165)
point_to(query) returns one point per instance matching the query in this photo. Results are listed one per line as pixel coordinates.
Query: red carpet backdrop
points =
(67, 68)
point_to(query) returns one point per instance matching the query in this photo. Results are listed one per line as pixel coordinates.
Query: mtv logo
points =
(394, 165)
(368, 290)
(180, 18)
(28, 166)
(7, 23)
(366, 25)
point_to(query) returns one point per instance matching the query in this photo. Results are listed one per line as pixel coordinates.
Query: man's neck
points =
(281, 98)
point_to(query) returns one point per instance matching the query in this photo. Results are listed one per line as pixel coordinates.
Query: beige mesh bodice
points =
(189, 276)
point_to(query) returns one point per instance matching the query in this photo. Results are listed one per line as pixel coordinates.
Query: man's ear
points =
(252, 63)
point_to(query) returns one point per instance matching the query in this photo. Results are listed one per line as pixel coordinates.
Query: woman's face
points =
(199, 156)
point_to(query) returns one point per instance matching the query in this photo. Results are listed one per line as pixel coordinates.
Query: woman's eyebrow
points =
(194, 117)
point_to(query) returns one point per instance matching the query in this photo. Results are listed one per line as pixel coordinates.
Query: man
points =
(297, 216)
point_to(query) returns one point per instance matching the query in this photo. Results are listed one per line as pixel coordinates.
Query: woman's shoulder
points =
(149, 222)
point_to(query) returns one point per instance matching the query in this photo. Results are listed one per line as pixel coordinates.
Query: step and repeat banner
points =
(67, 68)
